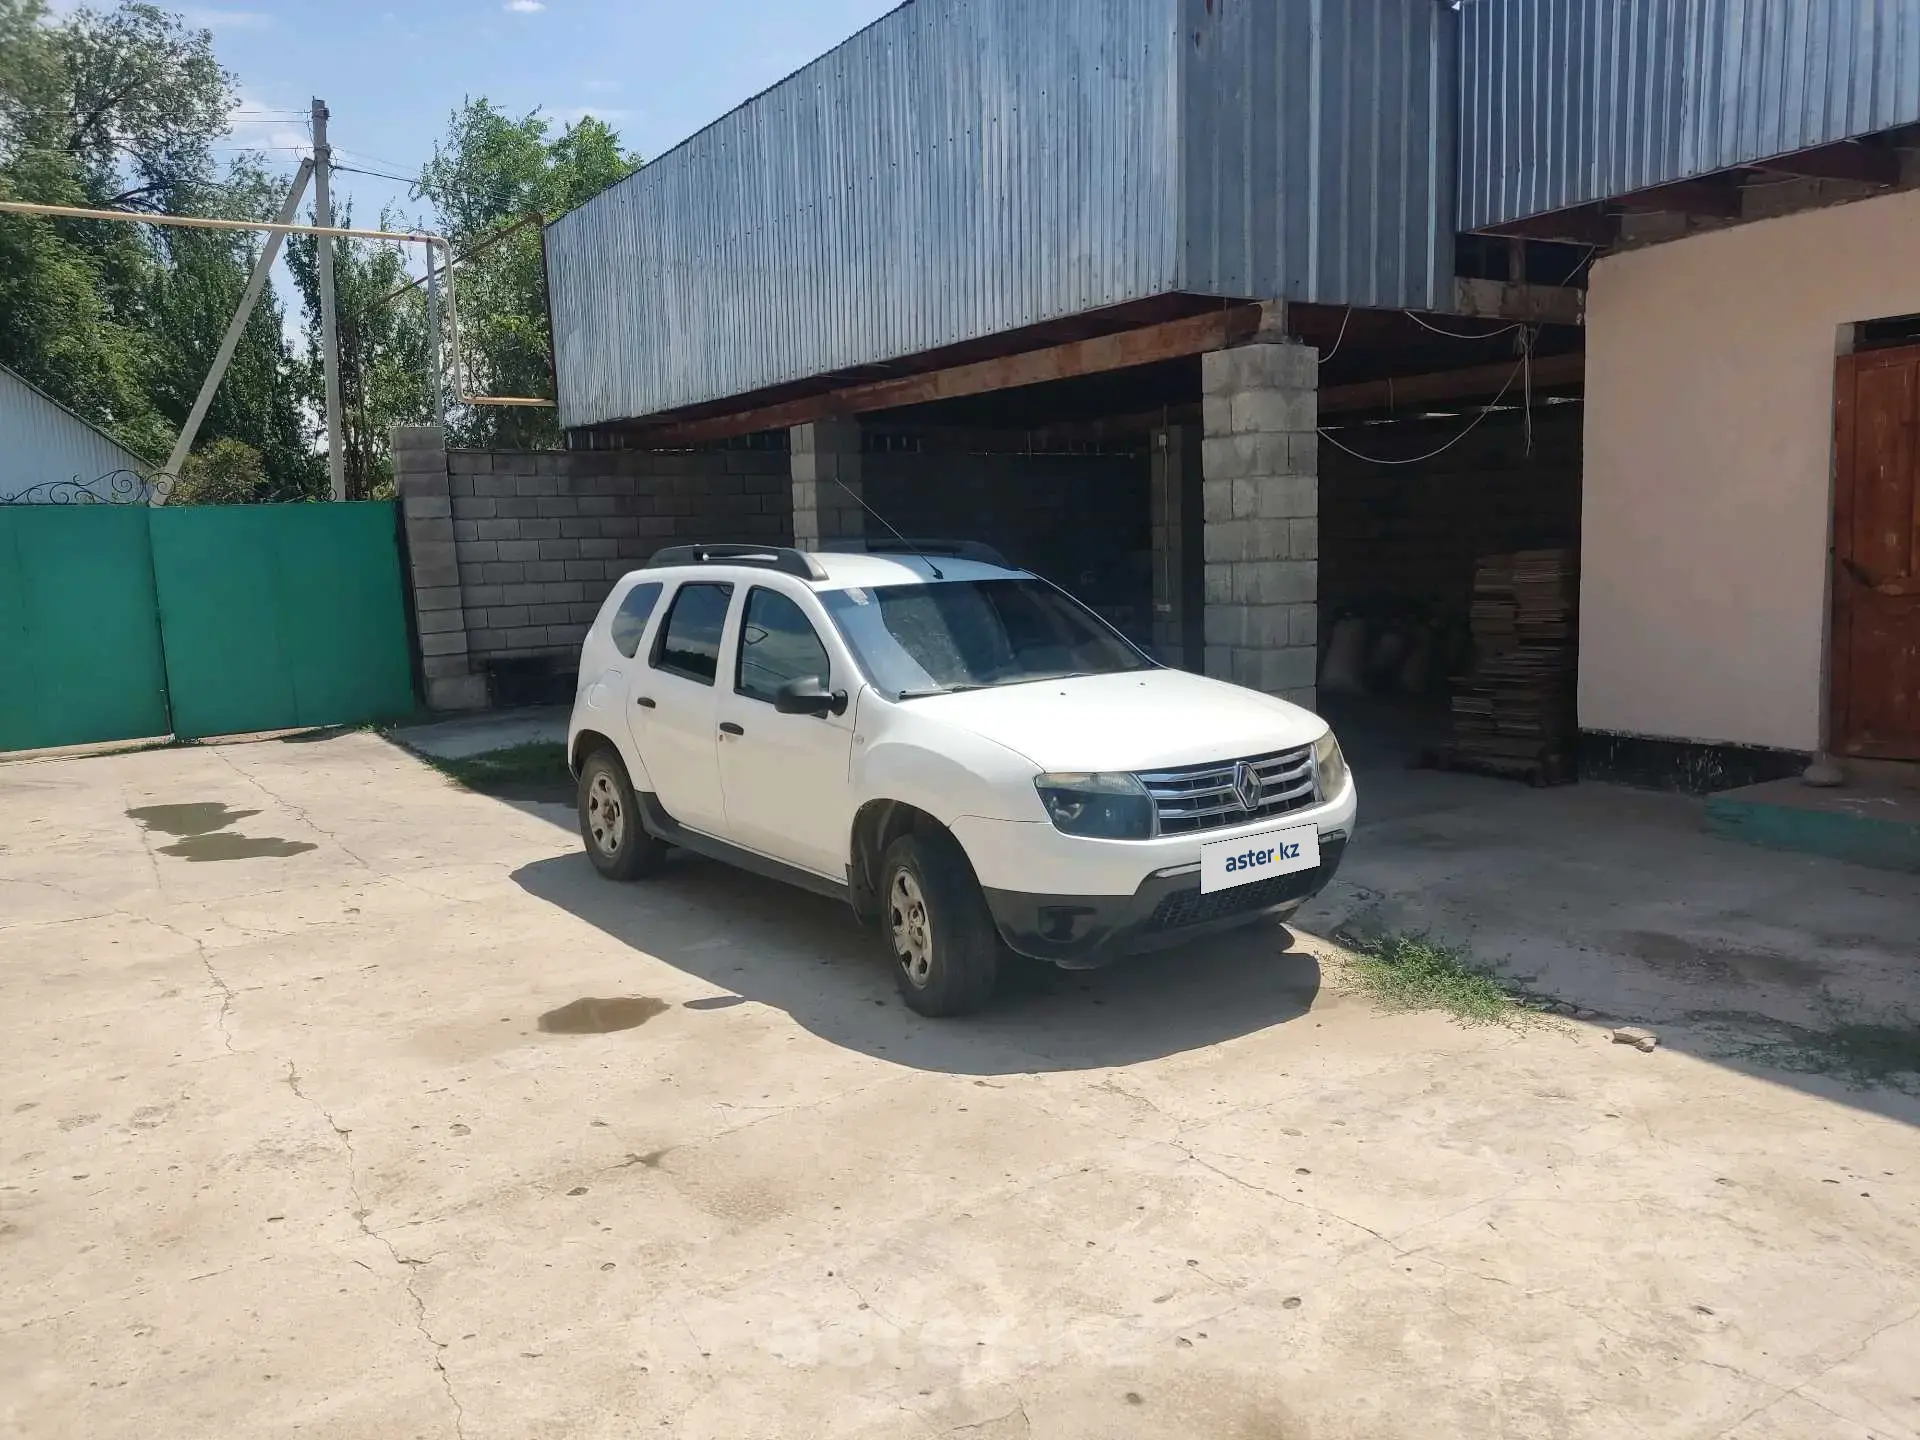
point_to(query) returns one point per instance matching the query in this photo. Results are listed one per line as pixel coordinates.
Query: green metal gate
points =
(123, 621)
(80, 656)
(281, 615)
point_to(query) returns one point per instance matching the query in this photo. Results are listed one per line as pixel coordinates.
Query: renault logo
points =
(1246, 786)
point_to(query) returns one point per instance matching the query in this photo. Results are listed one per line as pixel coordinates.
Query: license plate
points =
(1227, 863)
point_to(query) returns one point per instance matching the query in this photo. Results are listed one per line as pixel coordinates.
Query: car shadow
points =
(804, 954)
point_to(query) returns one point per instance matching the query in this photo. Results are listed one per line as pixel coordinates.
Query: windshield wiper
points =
(941, 690)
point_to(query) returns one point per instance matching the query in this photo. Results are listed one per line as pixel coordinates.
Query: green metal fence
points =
(124, 621)
(80, 656)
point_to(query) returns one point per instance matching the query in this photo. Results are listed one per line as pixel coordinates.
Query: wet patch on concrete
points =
(205, 836)
(1718, 963)
(589, 1016)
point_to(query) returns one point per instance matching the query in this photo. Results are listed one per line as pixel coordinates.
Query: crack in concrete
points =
(1019, 1408)
(409, 1267)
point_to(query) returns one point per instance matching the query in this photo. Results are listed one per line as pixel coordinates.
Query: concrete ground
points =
(343, 1101)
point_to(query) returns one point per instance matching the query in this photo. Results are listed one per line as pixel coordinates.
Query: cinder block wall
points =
(514, 551)
(540, 538)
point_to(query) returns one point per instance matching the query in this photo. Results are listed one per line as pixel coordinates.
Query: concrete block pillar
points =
(1261, 514)
(439, 616)
(1179, 592)
(826, 467)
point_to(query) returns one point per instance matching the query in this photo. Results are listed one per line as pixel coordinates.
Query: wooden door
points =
(1876, 554)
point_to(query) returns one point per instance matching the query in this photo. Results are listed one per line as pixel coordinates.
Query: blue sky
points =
(390, 71)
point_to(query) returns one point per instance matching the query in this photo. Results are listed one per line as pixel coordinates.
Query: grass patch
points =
(1400, 972)
(535, 770)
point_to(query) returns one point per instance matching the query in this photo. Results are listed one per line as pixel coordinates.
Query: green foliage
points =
(119, 110)
(1403, 972)
(491, 171)
(383, 347)
(226, 472)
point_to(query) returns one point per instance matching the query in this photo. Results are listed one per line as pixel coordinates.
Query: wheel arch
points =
(876, 825)
(585, 743)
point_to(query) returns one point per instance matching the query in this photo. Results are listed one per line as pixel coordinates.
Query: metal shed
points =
(965, 168)
(45, 446)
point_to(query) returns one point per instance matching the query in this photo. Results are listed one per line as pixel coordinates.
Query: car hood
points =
(1139, 720)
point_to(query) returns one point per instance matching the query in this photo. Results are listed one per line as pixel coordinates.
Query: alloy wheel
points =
(606, 816)
(912, 929)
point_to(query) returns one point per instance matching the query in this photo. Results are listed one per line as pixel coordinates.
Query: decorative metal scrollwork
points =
(116, 487)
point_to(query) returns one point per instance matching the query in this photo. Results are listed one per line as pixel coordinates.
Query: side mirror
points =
(809, 697)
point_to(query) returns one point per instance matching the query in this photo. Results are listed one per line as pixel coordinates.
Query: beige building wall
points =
(1708, 476)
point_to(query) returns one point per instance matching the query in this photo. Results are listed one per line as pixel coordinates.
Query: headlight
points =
(1329, 765)
(1102, 807)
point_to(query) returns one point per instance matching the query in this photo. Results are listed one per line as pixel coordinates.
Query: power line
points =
(1523, 365)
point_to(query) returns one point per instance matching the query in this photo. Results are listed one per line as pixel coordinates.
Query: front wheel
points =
(610, 828)
(945, 948)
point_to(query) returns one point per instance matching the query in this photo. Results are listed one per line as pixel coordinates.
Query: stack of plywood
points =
(1514, 714)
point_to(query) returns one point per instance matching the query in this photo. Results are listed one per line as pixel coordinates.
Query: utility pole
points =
(329, 324)
(242, 313)
(435, 359)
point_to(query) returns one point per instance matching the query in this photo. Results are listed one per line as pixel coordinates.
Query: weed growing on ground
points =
(540, 764)
(1402, 972)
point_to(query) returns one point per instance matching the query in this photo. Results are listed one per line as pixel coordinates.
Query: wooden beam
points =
(1537, 304)
(1717, 198)
(1581, 225)
(1146, 345)
(1866, 164)
(1479, 382)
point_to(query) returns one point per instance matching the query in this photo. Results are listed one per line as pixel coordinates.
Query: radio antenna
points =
(905, 544)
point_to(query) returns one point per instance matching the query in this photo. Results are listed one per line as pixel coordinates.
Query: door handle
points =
(727, 727)
(645, 702)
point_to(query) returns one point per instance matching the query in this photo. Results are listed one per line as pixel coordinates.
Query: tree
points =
(119, 110)
(491, 171)
(383, 347)
(226, 472)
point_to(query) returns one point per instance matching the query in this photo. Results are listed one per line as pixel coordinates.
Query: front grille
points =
(1202, 797)
(1184, 908)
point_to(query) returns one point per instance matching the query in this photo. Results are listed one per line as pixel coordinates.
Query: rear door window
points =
(630, 620)
(689, 640)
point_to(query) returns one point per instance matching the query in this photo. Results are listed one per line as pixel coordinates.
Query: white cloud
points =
(525, 7)
(252, 124)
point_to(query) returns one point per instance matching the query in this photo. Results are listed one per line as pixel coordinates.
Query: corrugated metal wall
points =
(966, 167)
(959, 168)
(1319, 149)
(1569, 101)
(41, 443)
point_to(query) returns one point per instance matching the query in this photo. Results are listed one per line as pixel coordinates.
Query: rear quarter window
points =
(629, 622)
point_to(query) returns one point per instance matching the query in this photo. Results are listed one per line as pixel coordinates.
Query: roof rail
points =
(947, 549)
(783, 558)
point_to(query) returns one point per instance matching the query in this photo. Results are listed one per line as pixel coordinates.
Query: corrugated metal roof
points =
(1319, 150)
(1569, 101)
(966, 167)
(44, 443)
(960, 167)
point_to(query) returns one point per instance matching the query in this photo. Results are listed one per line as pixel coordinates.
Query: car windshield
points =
(932, 639)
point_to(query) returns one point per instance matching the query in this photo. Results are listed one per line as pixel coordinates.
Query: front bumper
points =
(1083, 931)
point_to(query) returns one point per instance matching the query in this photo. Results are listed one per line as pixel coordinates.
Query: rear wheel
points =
(944, 945)
(610, 828)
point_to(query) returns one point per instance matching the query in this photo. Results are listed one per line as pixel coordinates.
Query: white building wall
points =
(1708, 472)
(42, 442)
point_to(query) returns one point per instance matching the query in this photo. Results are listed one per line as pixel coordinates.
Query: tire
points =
(945, 949)
(610, 828)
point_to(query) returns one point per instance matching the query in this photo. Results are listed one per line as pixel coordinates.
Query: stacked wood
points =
(1514, 714)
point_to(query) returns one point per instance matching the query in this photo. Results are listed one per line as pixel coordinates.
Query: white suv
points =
(956, 747)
